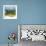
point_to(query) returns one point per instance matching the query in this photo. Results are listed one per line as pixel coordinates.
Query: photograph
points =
(31, 34)
(9, 11)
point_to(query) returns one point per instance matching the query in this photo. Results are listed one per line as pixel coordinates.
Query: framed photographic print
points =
(32, 32)
(9, 11)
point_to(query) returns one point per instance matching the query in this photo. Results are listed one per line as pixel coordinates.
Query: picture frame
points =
(9, 11)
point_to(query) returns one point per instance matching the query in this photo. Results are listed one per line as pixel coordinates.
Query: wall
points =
(7, 26)
(34, 12)
(29, 12)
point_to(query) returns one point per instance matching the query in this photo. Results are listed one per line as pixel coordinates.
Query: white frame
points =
(44, 28)
(7, 17)
(18, 33)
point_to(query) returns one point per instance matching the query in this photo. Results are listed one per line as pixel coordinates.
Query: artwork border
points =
(4, 17)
